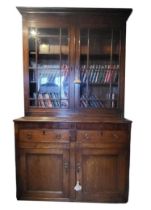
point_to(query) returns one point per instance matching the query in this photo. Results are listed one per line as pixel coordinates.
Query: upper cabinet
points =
(74, 60)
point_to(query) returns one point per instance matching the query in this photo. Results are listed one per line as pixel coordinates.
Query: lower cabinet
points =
(43, 174)
(69, 164)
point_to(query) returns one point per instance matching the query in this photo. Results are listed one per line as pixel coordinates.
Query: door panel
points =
(102, 174)
(99, 59)
(43, 173)
(49, 67)
(39, 175)
(96, 177)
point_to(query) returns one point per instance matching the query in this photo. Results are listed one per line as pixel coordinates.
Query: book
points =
(40, 100)
(47, 100)
(90, 102)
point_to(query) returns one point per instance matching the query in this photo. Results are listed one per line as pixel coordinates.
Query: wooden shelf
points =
(101, 51)
(53, 49)
(52, 36)
(32, 53)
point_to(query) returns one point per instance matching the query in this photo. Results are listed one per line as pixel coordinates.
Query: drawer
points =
(44, 135)
(103, 136)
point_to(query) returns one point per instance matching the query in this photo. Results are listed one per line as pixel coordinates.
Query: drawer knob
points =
(115, 136)
(58, 136)
(86, 136)
(29, 136)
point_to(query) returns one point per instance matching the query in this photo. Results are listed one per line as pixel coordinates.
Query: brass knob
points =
(115, 136)
(58, 136)
(29, 136)
(86, 136)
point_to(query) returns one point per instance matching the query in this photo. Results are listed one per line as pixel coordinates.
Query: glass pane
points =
(48, 31)
(99, 68)
(49, 79)
(99, 45)
(32, 48)
(64, 82)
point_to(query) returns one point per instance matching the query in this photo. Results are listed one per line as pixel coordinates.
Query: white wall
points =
(137, 100)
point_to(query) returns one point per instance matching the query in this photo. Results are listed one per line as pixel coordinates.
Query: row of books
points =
(49, 76)
(52, 100)
(44, 65)
(52, 66)
(91, 102)
(102, 74)
(49, 100)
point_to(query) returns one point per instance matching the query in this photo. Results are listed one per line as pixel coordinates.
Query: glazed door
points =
(43, 174)
(98, 68)
(102, 175)
(49, 73)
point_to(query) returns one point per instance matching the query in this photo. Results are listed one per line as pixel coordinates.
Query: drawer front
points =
(44, 135)
(103, 136)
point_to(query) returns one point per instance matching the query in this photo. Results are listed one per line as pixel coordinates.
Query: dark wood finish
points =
(43, 161)
(73, 19)
(43, 174)
(73, 154)
(102, 136)
(44, 135)
(103, 174)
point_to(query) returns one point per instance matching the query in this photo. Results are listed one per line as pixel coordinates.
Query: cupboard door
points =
(43, 174)
(49, 71)
(99, 59)
(103, 175)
